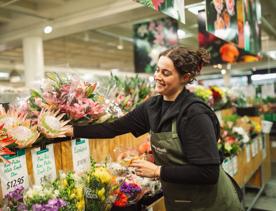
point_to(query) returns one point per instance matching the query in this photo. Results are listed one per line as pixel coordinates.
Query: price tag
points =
(247, 151)
(81, 155)
(226, 165)
(44, 165)
(14, 173)
(253, 149)
(235, 164)
(260, 143)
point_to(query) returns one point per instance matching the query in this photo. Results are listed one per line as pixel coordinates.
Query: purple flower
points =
(130, 188)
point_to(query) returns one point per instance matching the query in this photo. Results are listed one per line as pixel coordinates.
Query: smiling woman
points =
(183, 131)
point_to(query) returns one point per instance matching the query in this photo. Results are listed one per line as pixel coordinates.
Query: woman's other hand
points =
(146, 169)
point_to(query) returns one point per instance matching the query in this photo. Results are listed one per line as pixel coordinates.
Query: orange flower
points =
(229, 52)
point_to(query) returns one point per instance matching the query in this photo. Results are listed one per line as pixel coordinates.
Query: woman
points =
(183, 137)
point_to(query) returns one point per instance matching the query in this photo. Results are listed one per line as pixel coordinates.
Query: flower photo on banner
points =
(222, 19)
(150, 39)
(172, 8)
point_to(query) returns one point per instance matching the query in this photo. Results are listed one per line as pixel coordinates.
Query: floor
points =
(267, 201)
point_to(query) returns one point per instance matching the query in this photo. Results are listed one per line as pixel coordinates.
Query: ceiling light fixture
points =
(120, 46)
(223, 71)
(48, 29)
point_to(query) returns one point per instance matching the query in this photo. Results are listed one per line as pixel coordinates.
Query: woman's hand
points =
(146, 169)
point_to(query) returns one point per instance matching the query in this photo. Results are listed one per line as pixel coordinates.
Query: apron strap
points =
(174, 129)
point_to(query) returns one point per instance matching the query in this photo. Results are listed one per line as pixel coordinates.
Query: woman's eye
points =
(166, 73)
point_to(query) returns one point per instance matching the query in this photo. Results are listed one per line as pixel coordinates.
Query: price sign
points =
(253, 148)
(81, 155)
(14, 173)
(235, 164)
(44, 165)
(247, 151)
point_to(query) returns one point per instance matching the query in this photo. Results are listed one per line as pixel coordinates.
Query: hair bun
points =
(204, 55)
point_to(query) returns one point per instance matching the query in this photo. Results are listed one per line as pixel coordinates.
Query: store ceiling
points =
(87, 32)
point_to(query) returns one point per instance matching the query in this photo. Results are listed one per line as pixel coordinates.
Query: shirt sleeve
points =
(198, 137)
(135, 122)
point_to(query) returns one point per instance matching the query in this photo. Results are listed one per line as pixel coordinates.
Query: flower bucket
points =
(266, 126)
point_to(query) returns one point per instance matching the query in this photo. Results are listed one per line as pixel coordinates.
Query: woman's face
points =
(168, 81)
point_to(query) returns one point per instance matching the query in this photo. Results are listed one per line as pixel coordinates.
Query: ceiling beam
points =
(118, 12)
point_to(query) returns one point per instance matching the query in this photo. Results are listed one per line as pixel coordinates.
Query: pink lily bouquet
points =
(74, 98)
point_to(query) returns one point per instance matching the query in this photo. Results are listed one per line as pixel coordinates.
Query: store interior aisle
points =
(267, 202)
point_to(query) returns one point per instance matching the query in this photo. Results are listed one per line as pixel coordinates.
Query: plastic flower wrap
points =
(100, 186)
(71, 191)
(41, 198)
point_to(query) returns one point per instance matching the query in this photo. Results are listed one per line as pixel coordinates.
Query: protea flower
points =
(51, 125)
(11, 118)
(24, 134)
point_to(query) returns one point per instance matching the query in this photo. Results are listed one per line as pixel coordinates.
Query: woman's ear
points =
(186, 78)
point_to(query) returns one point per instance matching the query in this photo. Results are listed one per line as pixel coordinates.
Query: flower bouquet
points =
(229, 144)
(71, 191)
(219, 97)
(129, 193)
(74, 98)
(40, 198)
(129, 92)
(100, 187)
(18, 127)
(13, 201)
(203, 93)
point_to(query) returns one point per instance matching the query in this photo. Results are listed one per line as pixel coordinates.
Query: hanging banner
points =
(44, 165)
(172, 8)
(222, 19)
(81, 155)
(221, 51)
(150, 39)
(14, 173)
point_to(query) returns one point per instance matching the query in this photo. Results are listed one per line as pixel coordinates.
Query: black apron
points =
(167, 150)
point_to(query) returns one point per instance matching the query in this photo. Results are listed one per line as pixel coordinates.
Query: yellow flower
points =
(72, 195)
(103, 175)
(80, 205)
(101, 193)
(64, 183)
(79, 193)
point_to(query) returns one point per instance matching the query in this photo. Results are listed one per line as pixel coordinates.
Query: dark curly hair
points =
(187, 60)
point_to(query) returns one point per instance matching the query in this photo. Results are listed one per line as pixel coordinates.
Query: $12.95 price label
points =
(14, 173)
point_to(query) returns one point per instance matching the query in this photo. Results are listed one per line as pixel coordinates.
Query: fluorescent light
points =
(194, 8)
(181, 34)
(48, 29)
(259, 77)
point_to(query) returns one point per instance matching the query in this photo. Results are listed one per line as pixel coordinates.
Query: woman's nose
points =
(156, 76)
